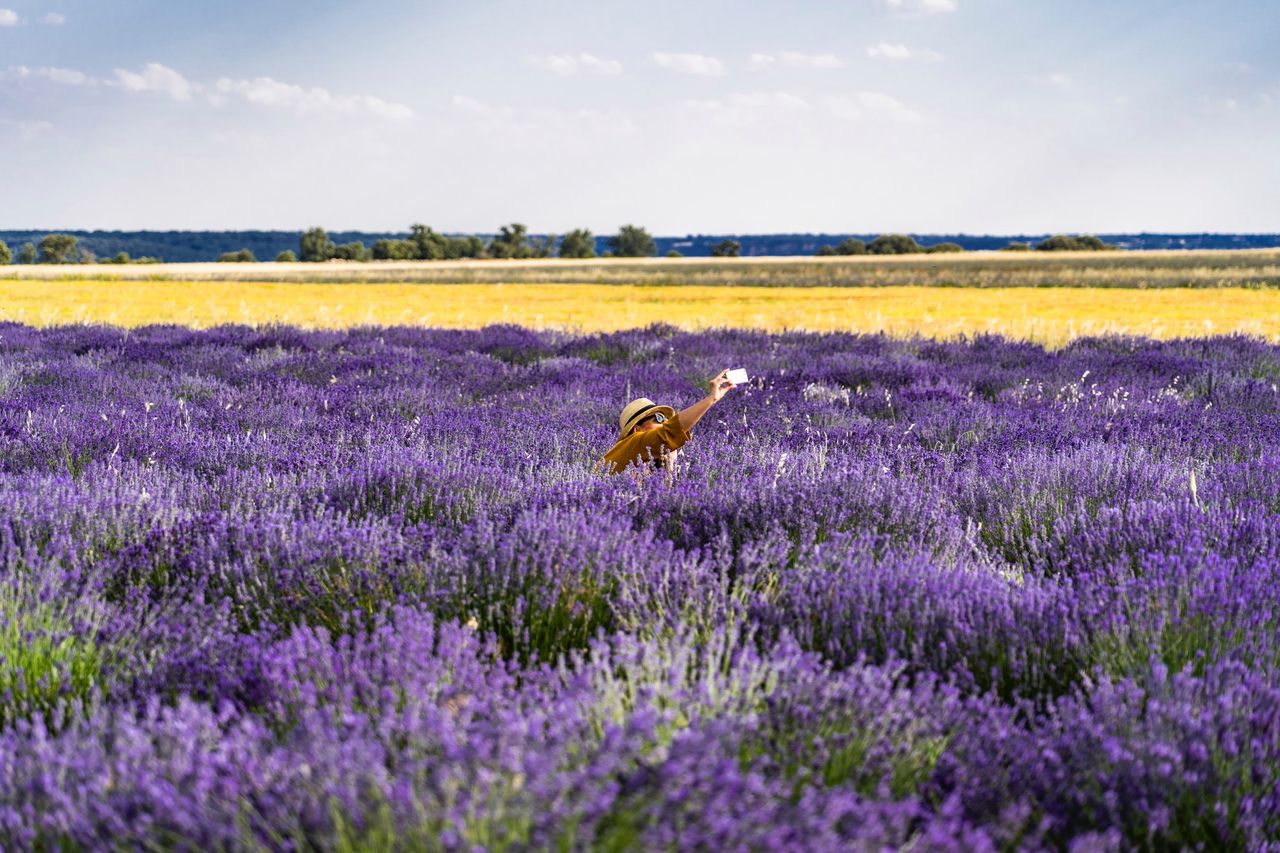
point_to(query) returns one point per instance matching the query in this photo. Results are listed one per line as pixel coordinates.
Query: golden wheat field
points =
(1050, 316)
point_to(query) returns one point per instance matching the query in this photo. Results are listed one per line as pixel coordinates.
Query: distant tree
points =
(6, 257)
(454, 248)
(1058, 243)
(847, 246)
(287, 257)
(945, 248)
(119, 258)
(315, 245)
(1092, 243)
(428, 245)
(578, 243)
(543, 247)
(632, 241)
(86, 255)
(511, 242)
(58, 249)
(395, 250)
(244, 256)
(894, 244)
(826, 250)
(726, 249)
(354, 251)
(27, 254)
(1067, 243)
(1017, 247)
(147, 259)
(672, 253)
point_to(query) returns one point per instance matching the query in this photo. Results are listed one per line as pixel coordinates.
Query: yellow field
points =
(1046, 315)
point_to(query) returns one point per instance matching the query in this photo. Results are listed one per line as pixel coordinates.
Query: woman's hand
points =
(718, 387)
(721, 385)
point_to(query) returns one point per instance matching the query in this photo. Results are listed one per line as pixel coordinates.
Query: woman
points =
(649, 434)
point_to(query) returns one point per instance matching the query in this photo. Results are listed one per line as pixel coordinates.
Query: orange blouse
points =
(645, 446)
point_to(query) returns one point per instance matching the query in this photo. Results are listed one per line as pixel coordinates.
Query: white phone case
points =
(738, 376)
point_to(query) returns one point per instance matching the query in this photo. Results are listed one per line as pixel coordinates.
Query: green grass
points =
(46, 668)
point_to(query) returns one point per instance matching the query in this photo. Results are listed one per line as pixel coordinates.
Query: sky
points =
(701, 116)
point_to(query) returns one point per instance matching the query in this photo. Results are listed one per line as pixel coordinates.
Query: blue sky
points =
(699, 116)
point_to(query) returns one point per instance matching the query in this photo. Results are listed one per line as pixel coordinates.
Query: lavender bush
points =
(268, 589)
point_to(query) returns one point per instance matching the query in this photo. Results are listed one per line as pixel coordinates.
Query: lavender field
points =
(277, 590)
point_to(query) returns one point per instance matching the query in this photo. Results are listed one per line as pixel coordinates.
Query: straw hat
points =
(638, 410)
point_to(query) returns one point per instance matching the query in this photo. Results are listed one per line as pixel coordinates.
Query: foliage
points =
(847, 246)
(244, 256)
(894, 244)
(286, 257)
(354, 251)
(27, 254)
(429, 245)
(59, 249)
(1016, 247)
(632, 241)
(1066, 243)
(726, 249)
(203, 246)
(314, 246)
(945, 248)
(6, 256)
(395, 250)
(511, 242)
(578, 243)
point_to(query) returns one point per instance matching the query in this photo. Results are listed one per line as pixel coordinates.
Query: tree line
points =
(63, 249)
(422, 244)
(904, 244)
(511, 241)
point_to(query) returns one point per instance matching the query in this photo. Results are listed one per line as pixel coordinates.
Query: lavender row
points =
(283, 590)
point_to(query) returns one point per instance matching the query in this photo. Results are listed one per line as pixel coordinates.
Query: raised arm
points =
(718, 388)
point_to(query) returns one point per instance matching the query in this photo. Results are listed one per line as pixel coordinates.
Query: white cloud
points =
(9, 18)
(55, 19)
(263, 91)
(556, 127)
(754, 101)
(794, 59)
(1056, 79)
(747, 107)
(26, 129)
(468, 104)
(155, 78)
(690, 63)
(864, 105)
(900, 52)
(922, 7)
(65, 76)
(266, 92)
(567, 63)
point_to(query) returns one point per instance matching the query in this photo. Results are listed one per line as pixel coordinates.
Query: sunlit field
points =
(1210, 269)
(1049, 316)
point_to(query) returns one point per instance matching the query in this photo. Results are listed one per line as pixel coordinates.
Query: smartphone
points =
(738, 376)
